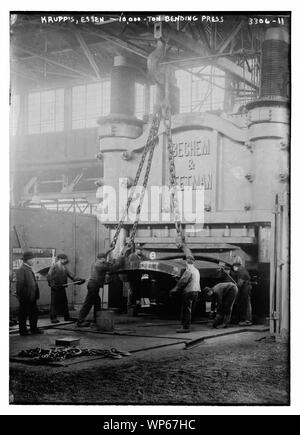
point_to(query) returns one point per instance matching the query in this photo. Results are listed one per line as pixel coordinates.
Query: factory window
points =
(201, 89)
(139, 100)
(88, 103)
(184, 82)
(152, 98)
(46, 111)
(14, 114)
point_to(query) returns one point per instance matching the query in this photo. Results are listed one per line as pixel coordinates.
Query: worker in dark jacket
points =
(95, 282)
(189, 286)
(99, 271)
(58, 279)
(223, 296)
(135, 259)
(27, 293)
(243, 302)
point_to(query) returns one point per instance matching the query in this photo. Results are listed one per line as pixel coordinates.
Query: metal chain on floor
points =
(55, 354)
(50, 355)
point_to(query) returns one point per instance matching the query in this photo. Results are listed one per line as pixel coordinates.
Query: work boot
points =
(218, 321)
(183, 330)
(245, 323)
(24, 333)
(83, 324)
(226, 321)
(222, 326)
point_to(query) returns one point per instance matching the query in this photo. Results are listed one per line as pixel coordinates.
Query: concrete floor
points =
(232, 366)
(135, 334)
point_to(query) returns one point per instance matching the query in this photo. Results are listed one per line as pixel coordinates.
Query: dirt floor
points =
(241, 369)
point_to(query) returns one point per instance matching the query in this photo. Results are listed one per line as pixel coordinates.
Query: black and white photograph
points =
(149, 208)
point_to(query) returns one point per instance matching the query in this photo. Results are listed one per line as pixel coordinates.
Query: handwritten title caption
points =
(98, 19)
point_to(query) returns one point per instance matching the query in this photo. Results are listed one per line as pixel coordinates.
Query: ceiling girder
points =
(203, 36)
(53, 62)
(230, 38)
(120, 42)
(88, 54)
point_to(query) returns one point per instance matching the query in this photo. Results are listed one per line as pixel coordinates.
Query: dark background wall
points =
(81, 237)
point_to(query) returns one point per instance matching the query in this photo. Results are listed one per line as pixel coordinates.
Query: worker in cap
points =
(135, 257)
(27, 293)
(99, 271)
(222, 296)
(100, 275)
(189, 288)
(242, 278)
(58, 281)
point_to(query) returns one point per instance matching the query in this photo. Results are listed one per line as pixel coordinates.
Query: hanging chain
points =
(150, 145)
(172, 171)
(142, 195)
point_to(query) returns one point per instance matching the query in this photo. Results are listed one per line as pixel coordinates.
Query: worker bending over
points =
(189, 286)
(223, 296)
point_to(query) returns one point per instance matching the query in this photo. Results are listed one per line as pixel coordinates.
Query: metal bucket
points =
(105, 321)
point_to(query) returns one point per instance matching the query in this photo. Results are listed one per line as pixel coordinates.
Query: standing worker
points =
(223, 296)
(58, 280)
(189, 285)
(242, 278)
(95, 282)
(27, 293)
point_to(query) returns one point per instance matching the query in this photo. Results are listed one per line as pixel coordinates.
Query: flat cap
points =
(27, 255)
(62, 257)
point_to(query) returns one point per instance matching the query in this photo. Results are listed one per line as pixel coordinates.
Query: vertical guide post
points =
(75, 271)
(284, 265)
(281, 299)
(278, 247)
(273, 274)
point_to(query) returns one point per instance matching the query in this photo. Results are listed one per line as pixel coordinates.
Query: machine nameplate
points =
(193, 154)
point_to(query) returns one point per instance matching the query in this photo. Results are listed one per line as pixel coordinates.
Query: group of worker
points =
(27, 290)
(232, 295)
(229, 298)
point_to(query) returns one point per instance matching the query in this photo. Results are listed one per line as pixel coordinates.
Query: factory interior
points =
(156, 137)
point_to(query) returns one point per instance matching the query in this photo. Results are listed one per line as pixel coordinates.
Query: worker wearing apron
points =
(57, 279)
